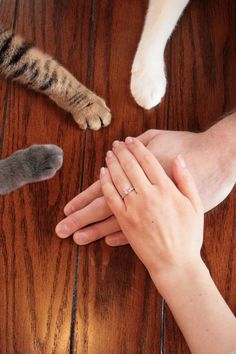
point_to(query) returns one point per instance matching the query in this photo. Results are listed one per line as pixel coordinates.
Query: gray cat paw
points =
(34, 164)
(43, 161)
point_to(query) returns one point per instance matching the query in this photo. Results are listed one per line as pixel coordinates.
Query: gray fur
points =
(34, 164)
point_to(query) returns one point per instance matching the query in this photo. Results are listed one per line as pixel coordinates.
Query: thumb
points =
(146, 137)
(185, 183)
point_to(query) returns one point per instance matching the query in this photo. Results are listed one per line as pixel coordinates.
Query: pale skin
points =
(210, 157)
(169, 251)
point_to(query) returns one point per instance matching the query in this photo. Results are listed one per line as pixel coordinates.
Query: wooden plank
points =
(119, 310)
(7, 16)
(3, 109)
(37, 269)
(202, 87)
(8, 13)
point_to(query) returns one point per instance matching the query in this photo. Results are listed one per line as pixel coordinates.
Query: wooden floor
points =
(54, 296)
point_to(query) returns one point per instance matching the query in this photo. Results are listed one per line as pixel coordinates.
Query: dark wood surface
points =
(55, 297)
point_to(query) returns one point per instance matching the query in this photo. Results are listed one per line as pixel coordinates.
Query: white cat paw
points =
(147, 86)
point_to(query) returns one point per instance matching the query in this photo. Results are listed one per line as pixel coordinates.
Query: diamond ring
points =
(127, 190)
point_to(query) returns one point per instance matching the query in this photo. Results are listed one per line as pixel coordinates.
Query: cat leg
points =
(34, 164)
(22, 62)
(148, 81)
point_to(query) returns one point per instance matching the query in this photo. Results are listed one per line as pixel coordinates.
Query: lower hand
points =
(201, 154)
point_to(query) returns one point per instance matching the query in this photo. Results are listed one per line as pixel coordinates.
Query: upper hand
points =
(162, 222)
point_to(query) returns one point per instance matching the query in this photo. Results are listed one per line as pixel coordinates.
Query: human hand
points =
(82, 211)
(144, 214)
(203, 155)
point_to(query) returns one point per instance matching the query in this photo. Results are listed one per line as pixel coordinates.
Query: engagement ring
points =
(127, 190)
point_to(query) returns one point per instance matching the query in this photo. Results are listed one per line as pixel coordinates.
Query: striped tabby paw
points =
(94, 115)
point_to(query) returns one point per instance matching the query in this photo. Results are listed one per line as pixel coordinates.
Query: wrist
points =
(176, 276)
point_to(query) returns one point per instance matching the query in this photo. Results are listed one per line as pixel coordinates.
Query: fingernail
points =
(102, 171)
(115, 143)
(81, 237)
(110, 154)
(181, 161)
(129, 140)
(68, 210)
(61, 230)
(110, 240)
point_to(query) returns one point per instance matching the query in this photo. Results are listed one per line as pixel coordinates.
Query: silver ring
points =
(127, 190)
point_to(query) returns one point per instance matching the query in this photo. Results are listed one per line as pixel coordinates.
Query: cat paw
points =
(42, 161)
(147, 86)
(94, 115)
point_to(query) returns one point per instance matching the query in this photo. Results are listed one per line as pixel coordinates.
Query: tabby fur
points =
(22, 62)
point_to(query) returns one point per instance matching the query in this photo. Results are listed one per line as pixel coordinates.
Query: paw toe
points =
(54, 149)
(94, 116)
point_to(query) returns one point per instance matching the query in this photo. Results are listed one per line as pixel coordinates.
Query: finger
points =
(119, 178)
(96, 231)
(130, 166)
(116, 239)
(152, 168)
(185, 183)
(84, 198)
(111, 194)
(146, 137)
(96, 211)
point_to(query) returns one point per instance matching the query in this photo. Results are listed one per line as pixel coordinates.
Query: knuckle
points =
(147, 194)
(132, 218)
(110, 199)
(146, 159)
(113, 203)
(127, 164)
(151, 199)
(116, 180)
(73, 222)
(94, 231)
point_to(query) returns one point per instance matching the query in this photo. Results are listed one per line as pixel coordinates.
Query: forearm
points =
(204, 318)
(224, 133)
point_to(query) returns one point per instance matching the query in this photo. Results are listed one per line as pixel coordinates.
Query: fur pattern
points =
(22, 62)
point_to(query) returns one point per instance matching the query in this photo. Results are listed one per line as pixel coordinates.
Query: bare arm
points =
(203, 316)
(169, 251)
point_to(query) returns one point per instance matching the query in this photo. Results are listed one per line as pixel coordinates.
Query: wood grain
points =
(55, 297)
(119, 311)
(37, 276)
(7, 16)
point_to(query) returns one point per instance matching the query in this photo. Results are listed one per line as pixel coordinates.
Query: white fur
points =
(148, 82)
